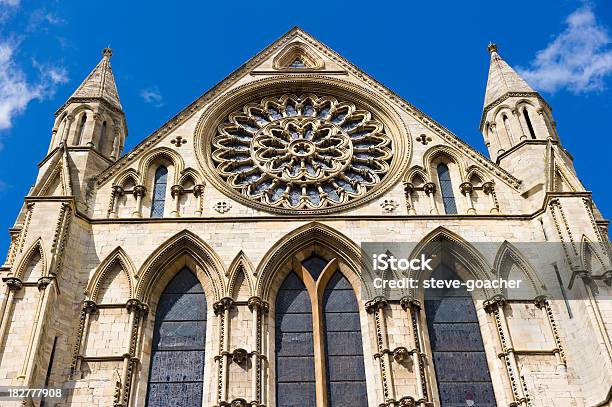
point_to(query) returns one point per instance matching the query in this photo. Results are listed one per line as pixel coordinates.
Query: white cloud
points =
(16, 90)
(41, 18)
(12, 3)
(153, 96)
(579, 58)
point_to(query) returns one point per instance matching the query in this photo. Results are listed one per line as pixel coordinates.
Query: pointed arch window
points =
(529, 125)
(80, 129)
(316, 308)
(446, 189)
(176, 376)
(102, 142)
(456, 343)
(159, 192)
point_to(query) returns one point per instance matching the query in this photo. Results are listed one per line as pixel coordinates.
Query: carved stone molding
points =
(14, 284)
(429, 188)
(239, 356)
(375, 304)
(223, 304)
(303, 152)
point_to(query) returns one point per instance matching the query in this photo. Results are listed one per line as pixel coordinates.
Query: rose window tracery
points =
(302, 152)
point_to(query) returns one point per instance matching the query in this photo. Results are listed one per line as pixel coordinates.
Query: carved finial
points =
(492, 47)
(107, 52)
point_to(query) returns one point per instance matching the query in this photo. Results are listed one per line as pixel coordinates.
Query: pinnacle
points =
(100, 83)
(502, 78)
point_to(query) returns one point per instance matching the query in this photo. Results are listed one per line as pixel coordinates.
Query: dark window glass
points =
(295, 380)
(177, 357)
(80, 129)
(529, 125)
(346, 385)
(458, 353)
(103, 137)
(315, 265)
(446, 190)
(159, 192)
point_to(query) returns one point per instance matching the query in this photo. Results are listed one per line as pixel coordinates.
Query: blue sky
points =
(431, 53)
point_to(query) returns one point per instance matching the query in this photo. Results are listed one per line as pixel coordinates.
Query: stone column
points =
(466, 189)
(136, 309)
(67, 129)
(222, 309)
(198, 192)
(116, 193)
(542, 303)
(495, 307)
(139, 191)
(489, 189)
(408, 189)
(376, 307)
(176, 191)
(13, 285)
(258, 307)
(493, 128)
(89, 307)
(413, 308)
(37, 327)
(430, 190)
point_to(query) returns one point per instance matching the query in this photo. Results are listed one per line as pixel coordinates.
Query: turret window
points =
(159, 192)
(446, 189)
(80, 129)
(529, 125)
(508, 128)
(102, 142)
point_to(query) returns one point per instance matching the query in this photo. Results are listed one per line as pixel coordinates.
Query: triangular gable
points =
(333, 61)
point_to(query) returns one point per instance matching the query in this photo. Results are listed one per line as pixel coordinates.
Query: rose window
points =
(302, 152)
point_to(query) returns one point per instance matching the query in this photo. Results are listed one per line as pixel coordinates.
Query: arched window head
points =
(176, 376)
(80, 129)
(446, 190)
(159, 192)
(529, 125)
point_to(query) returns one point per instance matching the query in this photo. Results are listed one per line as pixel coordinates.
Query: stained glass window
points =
(446, 189)
(339, 333)
(295, 380)
(177, 357)
(159, 192)
(457, 349)
(346, 385)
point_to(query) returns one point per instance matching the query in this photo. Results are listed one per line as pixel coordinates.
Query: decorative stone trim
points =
(14, 284)
(413, 307)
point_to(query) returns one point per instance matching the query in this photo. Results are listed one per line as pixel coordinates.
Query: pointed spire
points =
(100, 83)
(502, 78)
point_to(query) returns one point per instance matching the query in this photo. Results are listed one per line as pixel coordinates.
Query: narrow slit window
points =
(529, 125)
(80, 129)
(159, 192)
(102, 142)
(446, 189)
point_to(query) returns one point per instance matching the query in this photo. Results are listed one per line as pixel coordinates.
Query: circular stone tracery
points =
(301, 152)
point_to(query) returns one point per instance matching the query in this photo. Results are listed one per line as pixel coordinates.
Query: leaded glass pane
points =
(446, 190)
(159, 192)
(177, 359)
(315, 265)
(457, 349)
(346, 385)
(295, 381)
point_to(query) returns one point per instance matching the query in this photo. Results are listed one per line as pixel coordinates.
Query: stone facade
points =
(87, 263)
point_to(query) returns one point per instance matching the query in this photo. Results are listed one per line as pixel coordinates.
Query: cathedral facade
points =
(219, 262)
